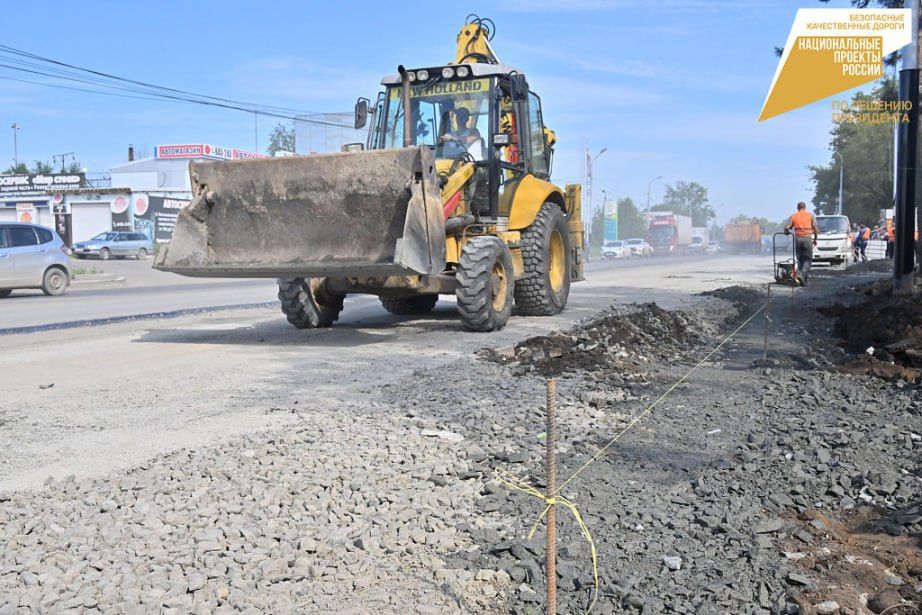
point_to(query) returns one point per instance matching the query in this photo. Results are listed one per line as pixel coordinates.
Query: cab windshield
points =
(450, 117)
(832, 224)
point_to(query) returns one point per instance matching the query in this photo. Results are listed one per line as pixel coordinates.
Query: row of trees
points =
(39, 167)
(866, 151)
(684, 198)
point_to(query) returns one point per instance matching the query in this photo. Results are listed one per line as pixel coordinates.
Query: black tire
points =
(485, 284)
(305, 304)
(55, 282)
(142, 254)
(407, 306)
(5, 293)
(535, 294)
(104, 254)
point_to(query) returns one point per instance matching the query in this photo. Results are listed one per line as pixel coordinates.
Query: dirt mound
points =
(617, 339)
(871, 560)
(885, 331)
(877, 266)
(745, 295)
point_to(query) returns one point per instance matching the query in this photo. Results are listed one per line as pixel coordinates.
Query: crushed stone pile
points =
(884, 332)
(628, 339)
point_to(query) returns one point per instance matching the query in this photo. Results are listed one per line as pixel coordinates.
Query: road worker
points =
(803, 224)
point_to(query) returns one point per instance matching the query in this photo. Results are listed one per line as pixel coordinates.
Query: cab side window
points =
(4, 239)
(22, 236)
(44, 235)
(536, 136)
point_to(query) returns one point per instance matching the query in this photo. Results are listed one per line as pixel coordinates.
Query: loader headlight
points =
(448, 72)
(463, 71)
(422, 75)
(411, 76)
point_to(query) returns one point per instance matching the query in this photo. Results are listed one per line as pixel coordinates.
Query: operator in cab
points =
(803, 224)
(463, 135)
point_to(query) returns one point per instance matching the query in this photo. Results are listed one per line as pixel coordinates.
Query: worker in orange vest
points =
(803, 224)
(862, 237)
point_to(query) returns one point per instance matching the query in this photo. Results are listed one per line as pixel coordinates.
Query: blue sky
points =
(671, 87)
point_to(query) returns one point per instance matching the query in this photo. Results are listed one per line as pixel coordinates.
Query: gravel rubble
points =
(390, 504)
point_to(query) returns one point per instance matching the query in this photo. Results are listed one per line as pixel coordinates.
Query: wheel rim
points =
(142, 253)
(104, 255)
(557, 266)
(55, 281)
(499, 284)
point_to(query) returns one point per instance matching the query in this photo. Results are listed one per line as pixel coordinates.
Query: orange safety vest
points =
(866, 235)
(802, 222)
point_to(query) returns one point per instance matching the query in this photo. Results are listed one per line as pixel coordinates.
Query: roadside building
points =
(144, 195)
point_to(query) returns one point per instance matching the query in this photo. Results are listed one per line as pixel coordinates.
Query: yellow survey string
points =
(658, 400)
(514, 482)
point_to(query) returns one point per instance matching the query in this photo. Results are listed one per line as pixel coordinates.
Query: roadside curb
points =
(95, 281)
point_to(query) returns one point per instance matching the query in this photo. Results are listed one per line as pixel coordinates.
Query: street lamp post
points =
(15, 127)
(591, 161)
(840, 206)
(649, 186)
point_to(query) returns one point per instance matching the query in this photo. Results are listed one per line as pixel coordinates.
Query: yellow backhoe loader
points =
(457, 200)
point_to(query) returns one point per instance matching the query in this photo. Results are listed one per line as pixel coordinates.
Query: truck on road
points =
(669, 233)
(743, 238)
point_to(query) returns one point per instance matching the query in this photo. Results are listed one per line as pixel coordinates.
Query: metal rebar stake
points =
(768, 301)
(551, 463)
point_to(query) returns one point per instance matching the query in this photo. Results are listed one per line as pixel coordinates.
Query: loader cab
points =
(479, 113)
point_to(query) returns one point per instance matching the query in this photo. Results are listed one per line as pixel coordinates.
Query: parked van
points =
(833, 244)
(32, 256)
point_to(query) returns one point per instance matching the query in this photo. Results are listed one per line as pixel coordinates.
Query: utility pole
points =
(649, 186)
(15, 127)
(590, 160)
(907, 161)
(840, 206)
(63, 158)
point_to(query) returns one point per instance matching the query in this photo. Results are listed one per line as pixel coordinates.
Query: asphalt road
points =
(150, 292)
(91, 399)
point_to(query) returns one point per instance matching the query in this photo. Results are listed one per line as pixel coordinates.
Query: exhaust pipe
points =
(407, 127)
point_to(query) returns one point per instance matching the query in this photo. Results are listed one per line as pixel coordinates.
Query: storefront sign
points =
(25, 212)
(37, 184)
(158, 217)
(203, 150)
(120, 219)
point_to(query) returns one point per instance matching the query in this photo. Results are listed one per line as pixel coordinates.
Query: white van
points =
(833, 244)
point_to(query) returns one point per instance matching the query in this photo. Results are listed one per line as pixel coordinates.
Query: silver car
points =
(32, 256)
(115, 243)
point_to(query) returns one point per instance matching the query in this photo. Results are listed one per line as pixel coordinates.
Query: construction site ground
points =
(223, 461)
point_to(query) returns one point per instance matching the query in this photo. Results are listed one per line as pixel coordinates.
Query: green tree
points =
(282, 139)
(41, 167)
(867, 153)
(631, 222)
(687, 199)
(74, 167)
(596, 231)
(19, 168)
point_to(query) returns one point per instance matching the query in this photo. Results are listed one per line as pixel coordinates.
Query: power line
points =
(134, 88)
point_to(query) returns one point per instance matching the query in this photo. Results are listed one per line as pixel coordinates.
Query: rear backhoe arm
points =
(474, 42)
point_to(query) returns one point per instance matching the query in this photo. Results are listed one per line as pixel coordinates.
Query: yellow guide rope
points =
(514, 482)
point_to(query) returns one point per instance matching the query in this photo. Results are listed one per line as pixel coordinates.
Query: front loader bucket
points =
(369, 213)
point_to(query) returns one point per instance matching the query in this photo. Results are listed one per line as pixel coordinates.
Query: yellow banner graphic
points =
(833, 50)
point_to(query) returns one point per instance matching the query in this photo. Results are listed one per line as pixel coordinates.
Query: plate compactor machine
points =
(455, 200)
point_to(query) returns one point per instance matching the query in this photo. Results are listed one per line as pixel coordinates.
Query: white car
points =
(713, 247)
(614, 249)
(639, 247)
(833, 243)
